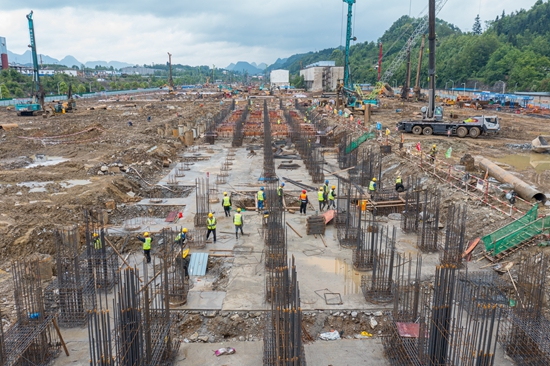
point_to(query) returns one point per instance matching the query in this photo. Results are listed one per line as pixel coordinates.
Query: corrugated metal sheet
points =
(197, 264)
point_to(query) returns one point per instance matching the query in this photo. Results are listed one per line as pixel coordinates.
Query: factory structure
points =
(3, 54)
(322, 76)
(279, 79)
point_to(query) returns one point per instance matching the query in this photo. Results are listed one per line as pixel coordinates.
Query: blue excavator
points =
(36, 106)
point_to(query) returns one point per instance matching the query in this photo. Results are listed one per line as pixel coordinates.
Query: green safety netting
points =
(515, 233)
(355, 143)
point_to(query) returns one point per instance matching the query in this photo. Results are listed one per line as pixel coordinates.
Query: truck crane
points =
(432, 121)
(36, 106)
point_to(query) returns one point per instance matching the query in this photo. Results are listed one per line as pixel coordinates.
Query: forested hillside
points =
(512, 52)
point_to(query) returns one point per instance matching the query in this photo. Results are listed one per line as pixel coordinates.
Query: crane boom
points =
(420, 29)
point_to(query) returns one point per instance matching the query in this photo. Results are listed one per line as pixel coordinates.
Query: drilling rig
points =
(36, 106)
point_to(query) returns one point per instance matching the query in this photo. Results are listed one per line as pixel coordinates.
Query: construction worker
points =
(146, 240)
(331, 197)
(399, 187)
(326, 189)
(180, 238)
(280, 193)
(238, 221)
(372, 186)
(97, 241)
(226, 203)
(433, 152)
(261, 199)
(211, 226)
(185, 262)
(266, 215)
(303, 202)
(321, 197)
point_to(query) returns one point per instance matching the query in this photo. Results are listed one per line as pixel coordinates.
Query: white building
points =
(322, 76)
(70, 72)
(280, 78)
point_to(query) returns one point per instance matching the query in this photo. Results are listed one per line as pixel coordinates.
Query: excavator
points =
(36, 106)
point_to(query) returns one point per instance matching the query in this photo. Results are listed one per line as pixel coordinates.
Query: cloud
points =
(212, 31)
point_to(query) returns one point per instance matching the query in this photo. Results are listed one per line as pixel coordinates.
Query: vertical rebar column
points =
(202, 201)
(269, 165)
(454, 236)
(428, 238)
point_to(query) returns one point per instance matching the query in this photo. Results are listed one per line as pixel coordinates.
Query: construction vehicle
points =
(432, 121)
(36, 105)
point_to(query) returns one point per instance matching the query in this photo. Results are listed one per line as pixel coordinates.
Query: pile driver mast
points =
(349, 38)
(37, 104)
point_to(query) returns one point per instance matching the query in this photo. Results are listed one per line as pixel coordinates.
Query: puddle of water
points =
(339, 266)
(34, 184)
(538, 162)
(44, 160)
(75, 182)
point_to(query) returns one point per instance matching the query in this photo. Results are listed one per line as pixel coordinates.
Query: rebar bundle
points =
(269, 165)
(347, 221)
(364, 251)
(202, 201)
(479, 289)
(238, 131)
(454, 244)
(429, 237)
(3, 355)
(71, 294)
(283, 331)
(142, 330)
(525, 334)
(172, 250)
(346, 156)
(32, 340)
(368, 167)
(100, 260)
(379, 286)
(410, 217)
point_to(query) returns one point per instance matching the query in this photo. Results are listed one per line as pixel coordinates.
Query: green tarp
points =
(515, 233)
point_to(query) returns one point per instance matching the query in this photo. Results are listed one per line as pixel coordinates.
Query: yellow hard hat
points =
(146, 234)
(333, 187)
(95, 235)
(210, 214)
(184, 230)
(399, 177)
(225, 193)
(239, 209)
(185, 253)
(374, 179)
(321, 188)
(435, 145)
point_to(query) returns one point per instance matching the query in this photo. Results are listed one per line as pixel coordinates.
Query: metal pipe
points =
(523, 189)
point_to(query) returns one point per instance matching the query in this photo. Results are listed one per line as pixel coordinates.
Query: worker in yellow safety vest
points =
(211, 226)
(226, 203)
(399, 187)
(280, 193)
(372, 185)
(261, 199)
(97, 241)
(238, 222)
(331, 197)
(181, 237)
(146, 240)
(321, 197)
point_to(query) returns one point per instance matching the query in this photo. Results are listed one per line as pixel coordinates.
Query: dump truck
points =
(472, 126)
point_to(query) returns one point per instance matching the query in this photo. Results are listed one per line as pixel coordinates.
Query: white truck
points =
(472, 126)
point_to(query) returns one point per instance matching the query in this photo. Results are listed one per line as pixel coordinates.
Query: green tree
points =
(5, 92)
(63, 87)
(81, 89)
(476, 29)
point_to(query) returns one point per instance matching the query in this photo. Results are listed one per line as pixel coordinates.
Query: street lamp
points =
(90, 86)
(58, 93)
(475, 86)
(464, 87)
(516, 88)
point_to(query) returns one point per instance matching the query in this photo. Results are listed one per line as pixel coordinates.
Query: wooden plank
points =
(60, 337)
(290, 226)
(171, 216)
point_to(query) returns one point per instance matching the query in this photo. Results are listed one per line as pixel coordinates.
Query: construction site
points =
(274, 228)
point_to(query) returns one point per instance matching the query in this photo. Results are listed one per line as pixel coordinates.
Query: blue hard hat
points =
(326, 181)
(283, 184)
(262, 188)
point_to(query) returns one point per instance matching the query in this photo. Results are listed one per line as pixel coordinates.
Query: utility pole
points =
(421, 53)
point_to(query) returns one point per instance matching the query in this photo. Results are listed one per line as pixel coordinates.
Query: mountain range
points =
(251, 68)
(69, 61)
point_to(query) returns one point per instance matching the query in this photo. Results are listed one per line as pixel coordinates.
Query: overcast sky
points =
(206, 32)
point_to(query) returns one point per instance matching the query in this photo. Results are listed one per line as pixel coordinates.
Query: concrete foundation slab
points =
(198, 354)
(204, 300)
(346, 352)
